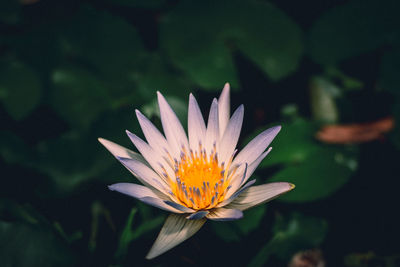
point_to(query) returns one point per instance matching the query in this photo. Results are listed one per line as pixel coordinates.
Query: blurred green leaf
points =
(235, 230)
(154, 75)
(9, 11)
(37, 46)
(389, 73)
(226, 231)
(291, 234)
(294, 143)
(316, 169)
(353, 28)
(12, 148)
(106, 67)
(107, 43)
(323, 105)
(139, 3)
(130, 233)
(20, 88)
(24, 244)
(202, 46)
(251, 219)
(320, 175)
(70, 161)
(78, 95)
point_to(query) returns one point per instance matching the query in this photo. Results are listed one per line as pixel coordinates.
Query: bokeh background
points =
(327, 71)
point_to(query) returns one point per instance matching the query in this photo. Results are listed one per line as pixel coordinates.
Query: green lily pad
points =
(130, 233)
(389, 78)
(235, 230)
(32, 245)
(202, 46)
(10, 11)
(20, 88)
(139, 3)
(294, 143)
(319, 176)
(317, 170)
(105, 42)
(78, 95)
(291, 234)
(353, 28)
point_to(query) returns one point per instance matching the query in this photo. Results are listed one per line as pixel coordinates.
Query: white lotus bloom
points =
(199, 177)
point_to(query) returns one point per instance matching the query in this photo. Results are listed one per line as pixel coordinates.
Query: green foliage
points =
(19, 243)
(9, 11)
(139, 3)
(235, 230)
(108, 43)
(72, 71)
(20, 88)
(352, 29)
(389, 78)
(317, 170)
(203, 46)
(78, 95)
(26, 239)
(130, 234)
(290, 234)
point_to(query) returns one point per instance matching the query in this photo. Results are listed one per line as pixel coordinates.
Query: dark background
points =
(72, 71)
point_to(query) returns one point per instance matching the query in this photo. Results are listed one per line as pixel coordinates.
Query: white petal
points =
(144, 194)
(231, 136)
(153, 136)
(196, 125)
(146, 175)
(133, 190)
(173, 129)
(223, 214)
(120, 151)
(155, 160)
(197, 215)
(236, 180)
(179, 206)
(236, 194)
(256, 195)
(175, 230)
(212, 133)
(239, 180)
(224, 109)
(253, 166)
(256, 146)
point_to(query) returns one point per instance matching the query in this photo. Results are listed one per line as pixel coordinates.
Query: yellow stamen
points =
(201, 182)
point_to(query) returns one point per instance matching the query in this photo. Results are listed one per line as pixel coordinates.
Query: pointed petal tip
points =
(111, 187)
(149, 256)
(277, 128)
(160, 96)
(292, 186)
(129, 133)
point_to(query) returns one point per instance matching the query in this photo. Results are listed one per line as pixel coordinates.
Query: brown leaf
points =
(356, 132)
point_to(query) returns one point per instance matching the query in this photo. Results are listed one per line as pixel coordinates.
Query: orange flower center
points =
(201, 183)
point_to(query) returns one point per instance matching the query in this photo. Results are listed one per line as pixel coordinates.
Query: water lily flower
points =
(199, 177)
